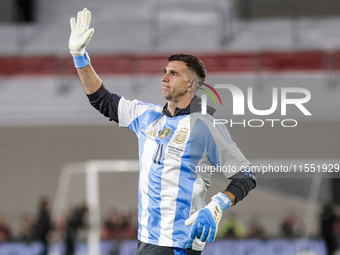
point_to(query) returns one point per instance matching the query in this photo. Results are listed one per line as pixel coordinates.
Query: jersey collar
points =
(194, 106)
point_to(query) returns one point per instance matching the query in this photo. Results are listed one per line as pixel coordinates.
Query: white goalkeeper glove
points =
(81, 34)
(205, 221)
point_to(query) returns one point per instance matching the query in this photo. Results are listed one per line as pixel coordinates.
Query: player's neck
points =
(173, 105)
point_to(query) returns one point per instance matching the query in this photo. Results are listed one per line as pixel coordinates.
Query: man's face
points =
(176, 81)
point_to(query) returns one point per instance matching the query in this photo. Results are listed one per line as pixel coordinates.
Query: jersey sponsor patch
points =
(164, 133)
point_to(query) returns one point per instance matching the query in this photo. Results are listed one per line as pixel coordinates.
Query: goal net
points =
(84, 181)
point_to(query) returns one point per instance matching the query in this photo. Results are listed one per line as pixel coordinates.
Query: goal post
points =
(305, 200)
(90, 170)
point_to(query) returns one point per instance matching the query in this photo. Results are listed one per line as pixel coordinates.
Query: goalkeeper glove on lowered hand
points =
(205, 221)
(81, 34)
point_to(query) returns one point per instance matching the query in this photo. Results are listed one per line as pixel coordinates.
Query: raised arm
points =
(89, 79)
(81, 34)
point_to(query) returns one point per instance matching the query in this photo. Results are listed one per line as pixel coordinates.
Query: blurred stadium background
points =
(46, 121)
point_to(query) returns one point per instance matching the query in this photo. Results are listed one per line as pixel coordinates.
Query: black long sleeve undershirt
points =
(241, 185)
(105, 102)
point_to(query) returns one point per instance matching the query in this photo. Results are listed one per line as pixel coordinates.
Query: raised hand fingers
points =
(87, 19)
(73, 23)
(79, 18)
(83, 20)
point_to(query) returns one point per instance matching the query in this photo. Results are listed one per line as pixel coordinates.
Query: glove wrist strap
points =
(81, 61)
(223, 200)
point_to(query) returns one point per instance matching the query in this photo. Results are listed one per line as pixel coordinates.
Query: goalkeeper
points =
(173, 141)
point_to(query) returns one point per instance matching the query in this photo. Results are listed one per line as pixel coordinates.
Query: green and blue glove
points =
(81, 34)
(205, 221)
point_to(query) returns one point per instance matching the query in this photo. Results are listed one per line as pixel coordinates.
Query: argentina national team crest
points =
(181, 136)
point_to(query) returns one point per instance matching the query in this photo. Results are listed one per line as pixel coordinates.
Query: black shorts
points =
(150, 249)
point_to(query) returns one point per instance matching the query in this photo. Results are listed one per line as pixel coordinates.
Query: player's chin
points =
(166, 95)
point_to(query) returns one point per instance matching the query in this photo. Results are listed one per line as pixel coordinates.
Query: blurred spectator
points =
(25, 10)
(43, 224)
(119, 226)
(111, 222)
(25, 232)
(336, 229)
(292, 226)
(75, 221)
(232, 228)
(128, 229)
(5, 231)
(327, 220)
(255, 230)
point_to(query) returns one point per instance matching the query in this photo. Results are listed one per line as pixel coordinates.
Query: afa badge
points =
(181, 136)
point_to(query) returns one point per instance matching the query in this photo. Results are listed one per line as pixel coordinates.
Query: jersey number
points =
(158, 155)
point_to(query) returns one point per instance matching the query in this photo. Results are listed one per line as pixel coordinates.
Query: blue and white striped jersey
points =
(171, 149)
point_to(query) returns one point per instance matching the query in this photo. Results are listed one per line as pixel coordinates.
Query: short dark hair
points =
(193, 63)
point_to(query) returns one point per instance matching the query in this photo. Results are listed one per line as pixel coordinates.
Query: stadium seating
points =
(129, 26)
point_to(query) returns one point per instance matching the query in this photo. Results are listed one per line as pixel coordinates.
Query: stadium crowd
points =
(122, 225)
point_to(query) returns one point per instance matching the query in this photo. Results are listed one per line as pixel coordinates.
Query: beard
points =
(174, 97)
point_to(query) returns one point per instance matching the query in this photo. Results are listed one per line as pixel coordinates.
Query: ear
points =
(193, 85)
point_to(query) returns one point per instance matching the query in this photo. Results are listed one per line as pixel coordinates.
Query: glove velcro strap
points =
(81, 61)
(223, 200)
